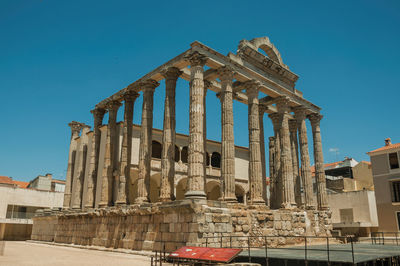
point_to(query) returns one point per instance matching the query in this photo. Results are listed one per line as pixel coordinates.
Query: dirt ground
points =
(28, 253)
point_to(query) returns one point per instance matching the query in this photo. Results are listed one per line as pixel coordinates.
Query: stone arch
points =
(156, 149)
(265, 44)
(155, 183)
(216, 160)
(184, 154)
(240, 193)
(177, 154)
(213, 190)
(181, 189)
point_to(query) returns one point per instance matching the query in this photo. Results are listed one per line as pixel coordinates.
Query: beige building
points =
(18, 205)
(386, 172)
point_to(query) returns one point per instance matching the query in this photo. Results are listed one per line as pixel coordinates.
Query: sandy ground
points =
(28, 253)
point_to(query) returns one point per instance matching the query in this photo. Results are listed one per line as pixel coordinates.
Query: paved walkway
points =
(28, 253)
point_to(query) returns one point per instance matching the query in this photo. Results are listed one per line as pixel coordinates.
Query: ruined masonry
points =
(142, 198)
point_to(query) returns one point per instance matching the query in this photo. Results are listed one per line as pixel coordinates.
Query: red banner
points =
(206, 254)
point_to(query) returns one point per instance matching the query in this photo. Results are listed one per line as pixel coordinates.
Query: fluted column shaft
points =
(124, 180)
(227, 136)
(168, 151)
(319, 162)
(75, 130)
(295, 161)
(306, 177)
(98, 114)
(145, 147)
(288, 199)
(81, 167)
(276, 181)
(109, 160)
(261, 109)
(207, 85)
(255, 167)
(272, 176)
(196, 164)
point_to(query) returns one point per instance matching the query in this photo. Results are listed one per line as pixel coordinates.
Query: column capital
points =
(300, 113)
(149, 85)
(252, 87)
(271, 138)
(113, 106)
(98, 112)
(275, 118)
(293, 125)
(130, 96)
(76, 127)
(225, 73)
(315, 118)
(282, 104)
(196, 59)
(171, 73)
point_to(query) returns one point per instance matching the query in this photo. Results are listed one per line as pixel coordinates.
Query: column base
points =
(103, 204)
(120, 203)
(140, 200)
(229, 199)
(195, 195)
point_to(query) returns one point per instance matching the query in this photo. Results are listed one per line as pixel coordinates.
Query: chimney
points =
(388, 142)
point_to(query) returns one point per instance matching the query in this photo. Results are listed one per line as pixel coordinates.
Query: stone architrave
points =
(306, 178)
(227, 144)
(322, 200)
(171, 75)
(286, 169)
(143, 182)
(272, 176)
(109, 160)
(76, 128)
(261, 109)
(295, 161)
(124, 180)
(276, 182)
(98, 115)
(80, 175)
(255, 166)
(196, 150)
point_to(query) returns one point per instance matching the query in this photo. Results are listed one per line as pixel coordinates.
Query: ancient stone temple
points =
(135, 187)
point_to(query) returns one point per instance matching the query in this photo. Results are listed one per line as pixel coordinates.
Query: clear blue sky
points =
(59, 58)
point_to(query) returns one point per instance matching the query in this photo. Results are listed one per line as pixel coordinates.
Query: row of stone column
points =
(115, 177)
(287, 178)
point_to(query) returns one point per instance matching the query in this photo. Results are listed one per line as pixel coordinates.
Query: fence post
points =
(327, 248)
(383, 238)
(266, 251)
(352, 249)
(305, 251)
(248, 247)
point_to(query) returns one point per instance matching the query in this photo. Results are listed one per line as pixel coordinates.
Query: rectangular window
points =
(396, 191)
(398, 220)
(393, 160)
(346, 215)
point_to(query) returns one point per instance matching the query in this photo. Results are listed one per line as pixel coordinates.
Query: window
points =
(216, 160)
(346, 215)
(398, 220)
(393, 160)
(396, 191)
(156, 149)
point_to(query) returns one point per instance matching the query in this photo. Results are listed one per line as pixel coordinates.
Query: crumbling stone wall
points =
(174, 224)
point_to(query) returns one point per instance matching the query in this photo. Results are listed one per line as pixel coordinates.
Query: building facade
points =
(18, 205)
(386, 172)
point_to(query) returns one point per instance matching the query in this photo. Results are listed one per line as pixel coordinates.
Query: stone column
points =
(207, 85)
(255, 168)
(319, 162)
(272, 176)
(262, 109)
(109, 160)
(146, 131)
(75, 130)
(171, 75)
(196, 151)
(286, 169)
(98, 115)
(227, 142)
(276, 182)
(295, 161)
(81, 167)
(300, 114)
(124, 180)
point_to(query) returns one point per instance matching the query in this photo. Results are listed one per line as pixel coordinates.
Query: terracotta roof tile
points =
(388, 147)
(21, 184)
(6, 180)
